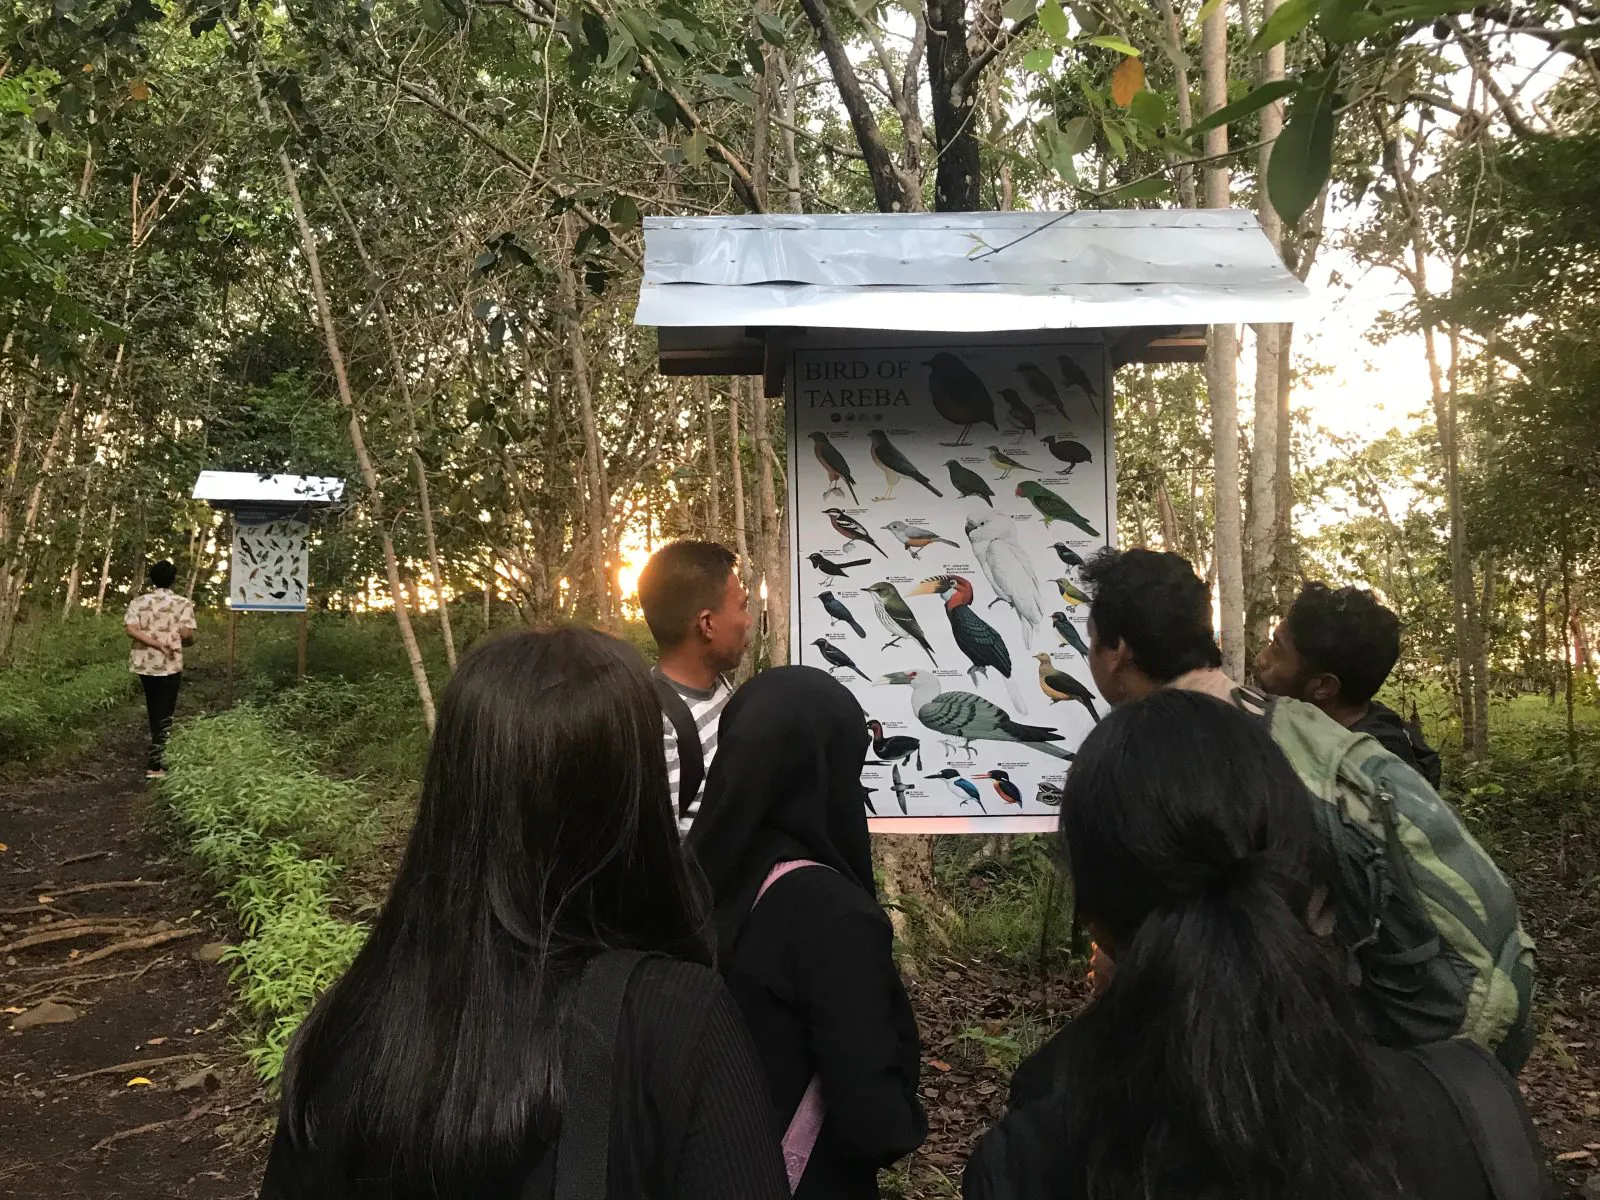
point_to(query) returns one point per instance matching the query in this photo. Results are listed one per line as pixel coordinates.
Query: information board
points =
(270, 564)
(942, 502)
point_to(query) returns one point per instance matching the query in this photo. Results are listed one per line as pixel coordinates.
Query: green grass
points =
(61, 685)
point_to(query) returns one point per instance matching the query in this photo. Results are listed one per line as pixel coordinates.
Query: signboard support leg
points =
(300, 655)
(233, 638)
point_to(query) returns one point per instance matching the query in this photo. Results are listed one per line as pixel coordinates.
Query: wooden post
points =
(305, 629)
(233, 637)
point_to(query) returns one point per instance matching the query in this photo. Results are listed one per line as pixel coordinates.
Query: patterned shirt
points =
(165, 617)
(706, 709)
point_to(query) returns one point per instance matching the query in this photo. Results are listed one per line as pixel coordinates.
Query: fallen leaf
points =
(161, 1041)
(138, 90)
(47, 899)
(13, 1011)
(88, 68)
(4, 847)
(1574, 1156)
(938, 1064)
(1127, 81)
(138, 1081)
(75, 954)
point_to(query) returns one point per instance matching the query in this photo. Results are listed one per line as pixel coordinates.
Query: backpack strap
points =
(588, 1062)
(691, 760)
(1490, 1106)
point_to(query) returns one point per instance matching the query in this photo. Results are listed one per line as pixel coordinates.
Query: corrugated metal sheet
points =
(966, 272)
(246, 487)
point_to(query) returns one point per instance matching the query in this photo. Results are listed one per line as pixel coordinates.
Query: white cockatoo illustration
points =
(1006, 567)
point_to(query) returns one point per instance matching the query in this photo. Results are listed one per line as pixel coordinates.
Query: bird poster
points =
(943, 502)
(270, 564)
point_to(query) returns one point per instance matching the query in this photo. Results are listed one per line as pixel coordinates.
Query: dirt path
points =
(83, 847)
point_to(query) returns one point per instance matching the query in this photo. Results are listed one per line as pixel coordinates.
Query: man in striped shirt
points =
(699, 613)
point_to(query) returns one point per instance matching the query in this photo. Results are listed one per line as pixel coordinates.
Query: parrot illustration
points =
(1009, 571)
(1052, 507)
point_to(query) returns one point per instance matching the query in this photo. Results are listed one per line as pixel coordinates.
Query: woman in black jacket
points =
(442, 1064)
(811, 965)
(1222, 1058)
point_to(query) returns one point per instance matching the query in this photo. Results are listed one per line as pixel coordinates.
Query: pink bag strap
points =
(801, 1136)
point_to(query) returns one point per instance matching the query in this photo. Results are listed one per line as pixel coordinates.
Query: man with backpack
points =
(1435, 945)
(699, 613)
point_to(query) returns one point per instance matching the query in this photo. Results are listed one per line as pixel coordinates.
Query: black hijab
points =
(786, 783)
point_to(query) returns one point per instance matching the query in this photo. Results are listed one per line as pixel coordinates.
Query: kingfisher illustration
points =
(1067, 554)
(1052, 507)
(1004, 788)
(899, 748)
(837, 659)
(1018, 412)
(1069, 632)
(898, 618)
(969, 483)
(832, 569)
(851, 530)
(915, 538)
(963, 789)
(1067, 451)
(1005, 464)
(834, 464)
(959, 395)
(976, 638)
(1059, 686)
(893, 464)
(967, 718)
(1039, 384)
(900, 788)
(836, 610)
(1071, 594)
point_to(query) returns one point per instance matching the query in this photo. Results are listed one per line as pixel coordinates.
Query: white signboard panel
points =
(941, 503)
(270, 562)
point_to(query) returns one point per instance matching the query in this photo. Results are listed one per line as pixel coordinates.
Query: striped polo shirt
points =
(706, 709)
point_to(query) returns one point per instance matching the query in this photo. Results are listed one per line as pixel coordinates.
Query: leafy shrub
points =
(60, 688)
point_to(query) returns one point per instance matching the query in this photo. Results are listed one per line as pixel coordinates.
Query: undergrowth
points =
(61, 686)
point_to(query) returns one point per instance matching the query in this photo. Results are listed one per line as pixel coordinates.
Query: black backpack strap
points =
(588, 1063)
(1490, 1107)
(691, 761)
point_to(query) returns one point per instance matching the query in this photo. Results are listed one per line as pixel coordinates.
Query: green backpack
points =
(1436, 947)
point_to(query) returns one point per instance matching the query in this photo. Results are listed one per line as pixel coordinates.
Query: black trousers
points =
(160, 701)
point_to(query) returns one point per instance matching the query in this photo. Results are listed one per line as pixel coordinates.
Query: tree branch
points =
(997, 47)
(744, 186)
(1480, 67)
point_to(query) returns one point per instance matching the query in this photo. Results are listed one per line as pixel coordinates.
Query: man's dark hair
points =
(1346, 633)
(163, 574)
(1158, 605)
(680, 582)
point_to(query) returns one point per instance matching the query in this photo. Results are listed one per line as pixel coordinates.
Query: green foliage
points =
(1008, 900)
(62, 687)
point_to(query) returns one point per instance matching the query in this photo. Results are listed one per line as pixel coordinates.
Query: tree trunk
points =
(1480, 659)
(1544, 678)
(1566, 644)
(105, 564)
(1169, 16)
(772, 565)
(958, 179)
(1284, 568)
(1462, 588)
(741, 531)
(76, 571)
(702, 393)
(790, 157)
(596, 499)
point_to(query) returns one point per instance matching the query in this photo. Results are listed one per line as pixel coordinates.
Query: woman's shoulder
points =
(824, 894)
(669, 981)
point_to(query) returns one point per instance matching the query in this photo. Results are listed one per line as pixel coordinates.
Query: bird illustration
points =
(866, 798)
(1069, 633)
(1059, 686)
(1009, 571)
(851, 530)
(969, 483)
(1051, 792)
(893, 464)
(1071, 594)
(837, 659)
(832, 569)
(1039, 384)
(1075, 376)
(1005, 464)
(976, 638)
(1004, 788)
(969, 718)
(834, 464)
(836, 610)
(961, 788)
(900, 788)
(898, 618)
(1017, 412)
(1052, 507)
(1074, 454)
(959, 395)
(1067, 554)
(899, 748)
(915, 538)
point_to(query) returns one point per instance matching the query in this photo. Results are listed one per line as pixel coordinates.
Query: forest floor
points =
(142, 1092)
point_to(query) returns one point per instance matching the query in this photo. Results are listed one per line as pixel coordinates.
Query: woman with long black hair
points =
(503, 976)
(1222, 1058)
(804, 944)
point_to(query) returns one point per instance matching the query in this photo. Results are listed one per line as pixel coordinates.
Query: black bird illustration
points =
(834, 464)
(832, 569)
(837, 659)
(837, 612)
(1069, 632)
(850, 529)
(900, 788)
(1075, 376)
(866, 798)
(969, 482)
(959, 395)
(1018, 412)
(1068, 451)
(1039, 384)
(1067, 554)
(900, 748)
(1059, 686)
(976, 638)
(1004, 788)
(893, 464)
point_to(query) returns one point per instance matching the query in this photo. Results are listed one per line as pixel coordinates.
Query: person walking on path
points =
(161, 624)
(699, 613)
(802, 940)
(534, 1013)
